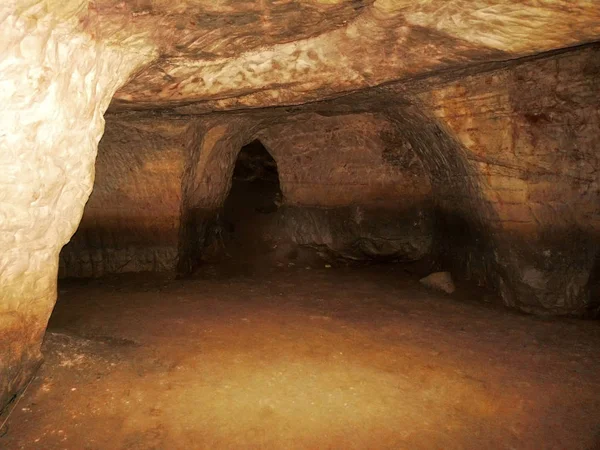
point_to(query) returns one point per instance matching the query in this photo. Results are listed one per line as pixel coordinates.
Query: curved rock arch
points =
(410, 130)
(65, 60)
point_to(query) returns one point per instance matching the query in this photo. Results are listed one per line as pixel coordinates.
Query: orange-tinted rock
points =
(530, 133)
(503, 155)
(131, 221)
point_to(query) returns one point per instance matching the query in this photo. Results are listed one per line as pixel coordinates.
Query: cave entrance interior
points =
(419, 257)
(247, 219)
(316, 333)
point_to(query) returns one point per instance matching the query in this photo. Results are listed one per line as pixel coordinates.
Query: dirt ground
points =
(298, 359)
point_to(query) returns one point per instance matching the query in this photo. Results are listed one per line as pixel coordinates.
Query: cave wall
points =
(213, 146)
(530, 133)
(349, 190)
(341, 160)
(57, 82)
(131, 221)
(491, 169)
(343, 192)
(346, 192)
(534, 203)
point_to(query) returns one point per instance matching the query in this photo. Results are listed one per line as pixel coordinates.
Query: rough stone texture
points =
(359, 234)
(504, 155)
(381, 203)
(441, 281)
(531, 133)
(345, 190)
(510, 149)
(244, 54)
(56, 84)
(344, 160)
(131, 221)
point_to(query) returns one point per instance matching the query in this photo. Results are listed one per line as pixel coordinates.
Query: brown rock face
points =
(531, 134)
(401, 130)
(131, 220)
(490, 171)
(251, 54)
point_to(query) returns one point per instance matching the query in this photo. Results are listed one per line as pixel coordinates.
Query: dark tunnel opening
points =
(247, 219)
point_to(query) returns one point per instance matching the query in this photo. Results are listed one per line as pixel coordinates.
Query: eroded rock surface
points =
(531, 134)
(499, 159)
(251, 54)
(491, 171)
(57, 81)
(131, 221)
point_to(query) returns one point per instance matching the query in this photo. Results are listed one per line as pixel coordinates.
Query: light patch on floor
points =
(335, 359)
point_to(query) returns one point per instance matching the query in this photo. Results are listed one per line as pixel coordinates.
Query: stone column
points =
(56, 83)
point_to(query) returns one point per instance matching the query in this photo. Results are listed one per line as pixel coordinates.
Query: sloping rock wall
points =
(325, 163)
(131, 221)
(531, 135)
(494, 170)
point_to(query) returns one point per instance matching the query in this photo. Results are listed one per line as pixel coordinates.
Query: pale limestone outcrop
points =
(56, 83)
(440, 281)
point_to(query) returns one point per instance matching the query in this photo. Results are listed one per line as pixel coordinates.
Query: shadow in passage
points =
(248, 224)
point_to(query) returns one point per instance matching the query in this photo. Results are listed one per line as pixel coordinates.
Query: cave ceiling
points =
(228, 54)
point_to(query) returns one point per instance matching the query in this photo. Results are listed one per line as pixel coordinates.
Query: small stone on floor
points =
(441, 281)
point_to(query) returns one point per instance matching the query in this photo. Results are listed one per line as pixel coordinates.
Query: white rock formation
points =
(56, 82)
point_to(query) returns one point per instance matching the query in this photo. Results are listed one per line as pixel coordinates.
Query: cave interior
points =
(300, 224)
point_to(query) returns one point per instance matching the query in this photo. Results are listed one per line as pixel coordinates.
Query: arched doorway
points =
(249, 213)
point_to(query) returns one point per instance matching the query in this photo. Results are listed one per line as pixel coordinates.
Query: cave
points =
(245, 232)
(299, 224)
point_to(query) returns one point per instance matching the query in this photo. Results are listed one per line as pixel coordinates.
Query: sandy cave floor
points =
(323, 359)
